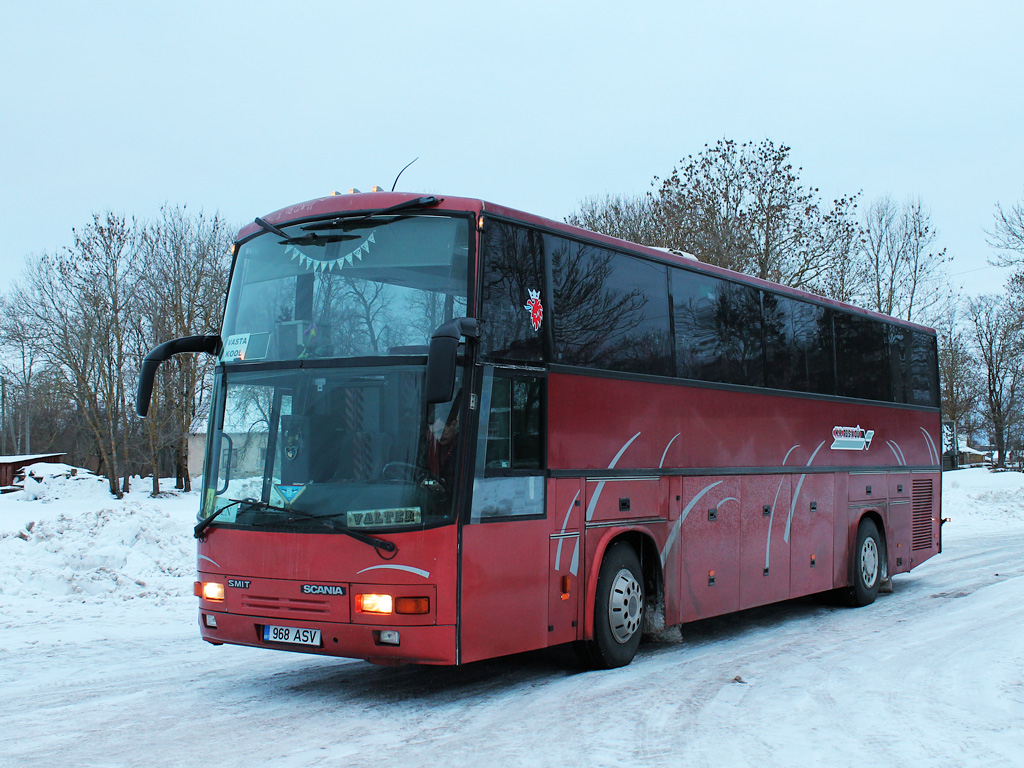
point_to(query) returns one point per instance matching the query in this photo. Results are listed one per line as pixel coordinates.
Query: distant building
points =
(196, 450)
(10, 465)
(970, 457)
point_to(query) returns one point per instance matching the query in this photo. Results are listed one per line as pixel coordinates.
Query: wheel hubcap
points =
(625, 606)
(869, 562)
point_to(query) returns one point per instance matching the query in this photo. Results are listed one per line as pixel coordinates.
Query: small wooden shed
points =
(9, 465)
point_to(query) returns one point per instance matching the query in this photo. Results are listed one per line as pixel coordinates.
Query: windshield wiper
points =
(341, 221)
(311, 239)
(314, 239)
(203, 524)
(325, 521)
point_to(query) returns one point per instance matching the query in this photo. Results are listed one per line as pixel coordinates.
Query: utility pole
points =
(3, 415)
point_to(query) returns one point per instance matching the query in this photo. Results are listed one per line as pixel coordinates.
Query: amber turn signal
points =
(418, 605)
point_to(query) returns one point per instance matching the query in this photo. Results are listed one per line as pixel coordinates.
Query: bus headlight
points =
(382, 604)
(209, 590)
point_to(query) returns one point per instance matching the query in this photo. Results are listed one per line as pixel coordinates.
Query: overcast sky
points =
(244, 108)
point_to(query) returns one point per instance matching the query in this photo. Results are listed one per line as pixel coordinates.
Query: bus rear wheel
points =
(868, 565)
(618, 610)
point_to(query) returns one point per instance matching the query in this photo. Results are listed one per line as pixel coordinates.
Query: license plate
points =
(294, 635)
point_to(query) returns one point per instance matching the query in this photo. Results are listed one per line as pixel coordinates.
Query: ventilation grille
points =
(922, 497)
(285, 606)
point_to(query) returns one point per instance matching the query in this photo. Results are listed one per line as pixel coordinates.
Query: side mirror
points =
(208, 344)
(441, 359)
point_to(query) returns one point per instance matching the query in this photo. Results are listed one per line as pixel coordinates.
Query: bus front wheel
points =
(868, 565)
(618, 610)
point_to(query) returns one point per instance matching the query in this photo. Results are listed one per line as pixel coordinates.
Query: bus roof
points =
(372, 201)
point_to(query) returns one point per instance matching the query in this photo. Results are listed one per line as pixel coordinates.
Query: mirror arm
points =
(147, 375)
(457, 328)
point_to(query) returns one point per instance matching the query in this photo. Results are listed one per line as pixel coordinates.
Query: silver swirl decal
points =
(406, 568)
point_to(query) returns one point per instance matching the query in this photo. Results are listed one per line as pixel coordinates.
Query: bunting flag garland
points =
(334, 264)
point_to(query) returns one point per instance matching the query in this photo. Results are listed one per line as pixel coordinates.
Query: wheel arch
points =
(878, 519)
(646, 549)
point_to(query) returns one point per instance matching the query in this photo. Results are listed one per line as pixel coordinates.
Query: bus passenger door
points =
(505, 540)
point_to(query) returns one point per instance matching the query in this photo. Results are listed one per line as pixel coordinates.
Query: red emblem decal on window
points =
(536, 309)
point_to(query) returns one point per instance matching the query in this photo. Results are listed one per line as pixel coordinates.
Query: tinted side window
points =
(611, 310)
(513, 259)
(514, 423)
(899, 362)
(924, 385)
(798, 345)
(508, 479)
(717, 329)
(862, 358)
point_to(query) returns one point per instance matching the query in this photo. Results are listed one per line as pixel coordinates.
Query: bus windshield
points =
(343, 447)
(346, 287)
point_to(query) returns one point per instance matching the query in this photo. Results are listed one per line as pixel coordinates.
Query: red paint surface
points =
(275, 566)
(738, 450)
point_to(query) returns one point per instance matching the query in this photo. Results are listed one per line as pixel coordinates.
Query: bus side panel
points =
(899, 522)
(504, 605)
(764, 548)
(709, 548)
(670, 557)
(811, 534)
(925, 516)
(841, 544)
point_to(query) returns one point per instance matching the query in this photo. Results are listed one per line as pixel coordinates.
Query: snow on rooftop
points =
(963, 447)
(27, 457)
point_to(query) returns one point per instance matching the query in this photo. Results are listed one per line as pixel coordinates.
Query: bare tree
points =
(635, 219)
(77, 305)
(997, 336)
(703, 206)
(19, 364)
(903, 271)
(183, 278)
(1008, 235)
(743, 206)
(959, 375)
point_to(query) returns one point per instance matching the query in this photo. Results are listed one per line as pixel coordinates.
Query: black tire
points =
(867, 564)
(618, 610)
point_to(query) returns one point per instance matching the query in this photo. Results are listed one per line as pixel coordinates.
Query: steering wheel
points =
(401, 470)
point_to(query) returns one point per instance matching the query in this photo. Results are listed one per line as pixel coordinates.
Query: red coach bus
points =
(444, 431)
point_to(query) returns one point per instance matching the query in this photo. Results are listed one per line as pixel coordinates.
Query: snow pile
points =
(988, 501)
(72, 541)
(91, 659)
(44, 481)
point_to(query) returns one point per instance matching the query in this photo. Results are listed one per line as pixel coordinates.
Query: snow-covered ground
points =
(101, 665)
